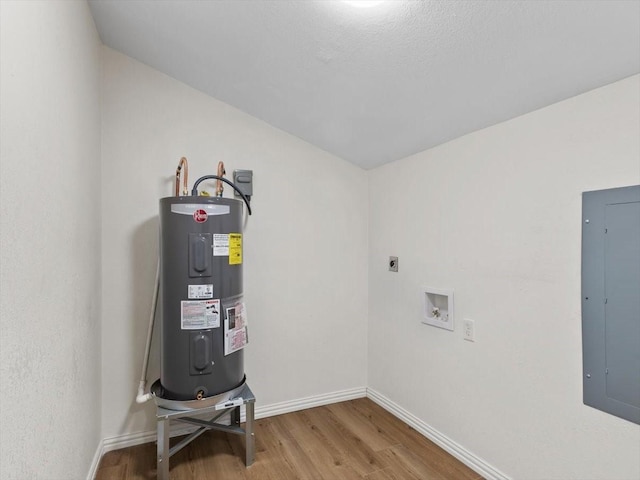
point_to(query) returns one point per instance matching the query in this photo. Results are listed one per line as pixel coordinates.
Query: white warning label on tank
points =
(200, 314)
(235, 327)
(200, 291)
(220, 245)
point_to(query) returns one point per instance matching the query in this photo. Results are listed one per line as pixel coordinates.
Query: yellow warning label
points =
(235, 248)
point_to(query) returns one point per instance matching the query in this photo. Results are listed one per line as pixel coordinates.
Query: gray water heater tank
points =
(200, 289)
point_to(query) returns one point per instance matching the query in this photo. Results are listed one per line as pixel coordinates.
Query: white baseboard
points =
(96, 461)
(465, 456)
(309, 402)
(138, 438)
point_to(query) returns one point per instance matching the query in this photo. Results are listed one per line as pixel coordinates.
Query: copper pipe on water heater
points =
(219, 185)
(185, 190)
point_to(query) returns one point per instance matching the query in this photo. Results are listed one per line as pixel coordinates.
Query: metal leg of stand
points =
(235, 416)
(250, 439)
(163, 448)
(164, 415)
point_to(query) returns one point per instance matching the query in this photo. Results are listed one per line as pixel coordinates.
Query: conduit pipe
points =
(143, 397)
(194, 190)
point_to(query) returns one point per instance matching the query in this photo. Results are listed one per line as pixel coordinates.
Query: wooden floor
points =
(352, 440)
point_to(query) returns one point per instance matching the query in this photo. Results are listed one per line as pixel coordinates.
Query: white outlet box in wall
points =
(437, 307)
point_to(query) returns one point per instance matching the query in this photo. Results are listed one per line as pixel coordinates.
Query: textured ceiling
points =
(373, 85)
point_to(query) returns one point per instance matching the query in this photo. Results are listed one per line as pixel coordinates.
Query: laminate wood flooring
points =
(352, 440)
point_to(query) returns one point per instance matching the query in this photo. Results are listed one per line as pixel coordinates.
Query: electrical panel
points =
(611, 301)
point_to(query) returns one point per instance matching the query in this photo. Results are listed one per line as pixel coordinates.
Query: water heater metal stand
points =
(164, 417)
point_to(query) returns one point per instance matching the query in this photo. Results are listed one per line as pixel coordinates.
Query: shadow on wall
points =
(145, 243)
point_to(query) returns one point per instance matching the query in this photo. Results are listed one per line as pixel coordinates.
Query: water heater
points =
(203, 320)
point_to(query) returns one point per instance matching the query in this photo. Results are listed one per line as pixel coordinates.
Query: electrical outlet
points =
(393, 264)
(469, 330)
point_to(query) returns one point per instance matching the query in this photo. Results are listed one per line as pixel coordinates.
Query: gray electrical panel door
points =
(611, 301)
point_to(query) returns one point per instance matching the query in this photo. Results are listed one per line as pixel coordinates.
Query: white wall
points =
(50, 240)
(305, 258)
(496, 216)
